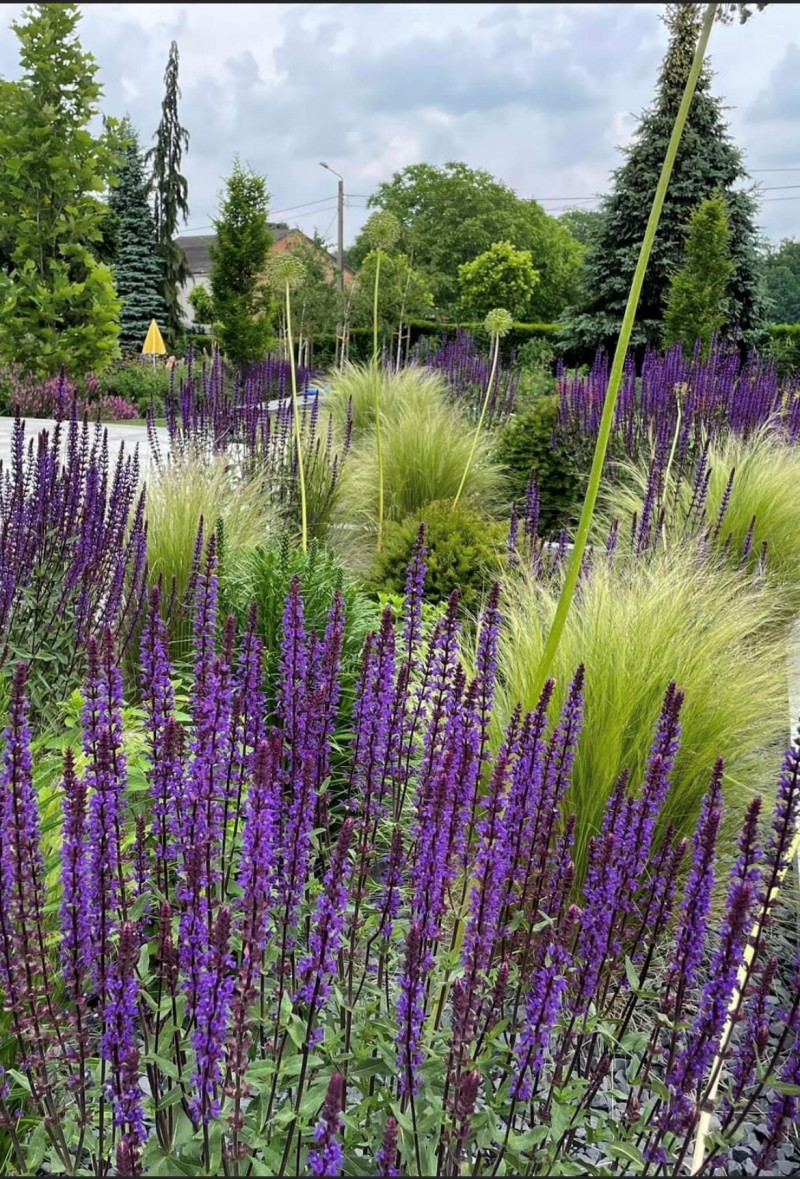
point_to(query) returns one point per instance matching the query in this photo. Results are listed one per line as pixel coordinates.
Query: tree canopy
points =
(500, 277)
(451, 214)
(781, 276)
(58, 306)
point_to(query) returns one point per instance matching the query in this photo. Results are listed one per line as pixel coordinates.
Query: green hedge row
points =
(784, 346)
(784, 341)
(323, 346)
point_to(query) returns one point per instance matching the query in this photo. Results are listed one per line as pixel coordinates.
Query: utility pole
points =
(340, 243)
(340, 250)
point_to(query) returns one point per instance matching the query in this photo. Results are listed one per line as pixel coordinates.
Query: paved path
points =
(118, 432)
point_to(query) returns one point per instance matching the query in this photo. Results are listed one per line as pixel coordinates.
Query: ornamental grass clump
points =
(636, 623)
(741, 497)
(256, 962)
(425, 455)
(186, 498)
(353, 393)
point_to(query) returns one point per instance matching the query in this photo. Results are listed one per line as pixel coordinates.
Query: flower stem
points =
(479, 426)
(296, 415)
(377, 380)
(615, 379)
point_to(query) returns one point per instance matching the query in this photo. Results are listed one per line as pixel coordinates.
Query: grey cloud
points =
(780, 100)
(534, 93)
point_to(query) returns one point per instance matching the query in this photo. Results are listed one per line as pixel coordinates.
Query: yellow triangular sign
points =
(154, 344)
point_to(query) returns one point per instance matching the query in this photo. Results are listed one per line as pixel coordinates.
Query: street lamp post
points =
(340, 244)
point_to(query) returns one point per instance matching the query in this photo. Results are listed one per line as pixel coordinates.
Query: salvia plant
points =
(678, 404)
(72, 550)
(285, 272)
(245, 962)
(252, 422)
(499, 323)
(466, 370)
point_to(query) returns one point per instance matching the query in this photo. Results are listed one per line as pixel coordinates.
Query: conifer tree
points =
(696, 304)
(137, 269)
(171, 193)
(241, 303)
(708, 161)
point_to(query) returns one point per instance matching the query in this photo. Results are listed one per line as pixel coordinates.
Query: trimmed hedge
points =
(784, 347)
(324, 345)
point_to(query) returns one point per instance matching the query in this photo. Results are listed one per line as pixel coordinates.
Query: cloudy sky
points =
(540, 95)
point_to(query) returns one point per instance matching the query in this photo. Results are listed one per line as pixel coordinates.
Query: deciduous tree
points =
(500, 277)
(451, 214)
(57, 301)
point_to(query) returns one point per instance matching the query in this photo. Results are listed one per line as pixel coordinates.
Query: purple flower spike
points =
(326, 932)
(693, 918)
(327, 1159)
(213, 1010)
(119, 1044)
(74, 913)
(387, 1159)
(542, 1007)
(411, 1013)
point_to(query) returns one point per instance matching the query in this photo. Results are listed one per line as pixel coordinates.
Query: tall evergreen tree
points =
(241, 303)
(697, 300)
(708, 161)
(171, 192)
(137, 266)
(57, 301)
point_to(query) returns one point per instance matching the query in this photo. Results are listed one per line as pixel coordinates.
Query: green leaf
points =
(625, 1151)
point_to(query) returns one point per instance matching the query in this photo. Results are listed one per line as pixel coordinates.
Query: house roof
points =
(196, 247)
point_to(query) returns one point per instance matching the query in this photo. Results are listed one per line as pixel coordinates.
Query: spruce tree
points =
(137, 267)
(171, 193)
(708, 161)
(697, 303)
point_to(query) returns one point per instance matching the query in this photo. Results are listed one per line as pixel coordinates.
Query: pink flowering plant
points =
(268, 948)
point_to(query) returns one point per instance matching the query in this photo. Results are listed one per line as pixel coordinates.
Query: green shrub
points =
(426, 443)
(536, 354)
(637, 624)
(264, 574)
(138, 382)
(466, 551)
(784, 348)
(525, 444)
(765, 485)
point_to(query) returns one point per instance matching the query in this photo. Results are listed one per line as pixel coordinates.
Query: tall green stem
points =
(376, 376)
(615, 379)
(296, 416)
(479, 427)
